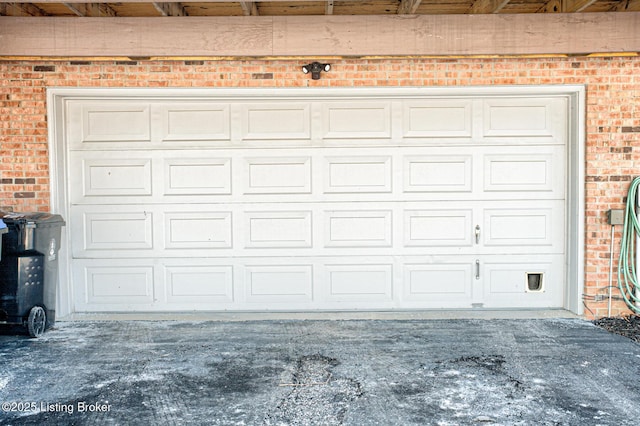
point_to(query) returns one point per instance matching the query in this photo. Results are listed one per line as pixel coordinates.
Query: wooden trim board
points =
(310, 36)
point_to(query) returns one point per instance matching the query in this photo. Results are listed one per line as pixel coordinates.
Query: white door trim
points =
(574, 180)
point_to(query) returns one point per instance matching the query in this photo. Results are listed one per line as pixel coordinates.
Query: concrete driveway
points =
(330, 372)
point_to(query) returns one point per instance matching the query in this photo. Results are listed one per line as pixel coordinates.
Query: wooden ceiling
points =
(148, 8)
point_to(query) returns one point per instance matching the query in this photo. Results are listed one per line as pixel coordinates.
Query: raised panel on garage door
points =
(357, 174)
(506, 281)
(112, 231)
(107, 124)
(115, 123)
(358, 228)
(102, 177)
(433, 228)
(197, 176)
(115, 284)
(359, 282)
(438, 285)
(438, 118)
(525, 120)
(277, 284)
(356, 120)
(523, 172)
(195, 122)
(277, 175)
(278, 229)
(199, 284)
(198, 230)
(281, 121)
(123, 176)
(438, 173)
(524, 227)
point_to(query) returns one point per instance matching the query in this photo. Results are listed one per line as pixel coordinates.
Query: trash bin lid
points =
(40, 219)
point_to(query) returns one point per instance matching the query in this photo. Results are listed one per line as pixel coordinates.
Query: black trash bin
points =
(29, 270)
(3, 230)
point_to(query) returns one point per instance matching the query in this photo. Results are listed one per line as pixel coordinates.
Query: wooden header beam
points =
(312, 36)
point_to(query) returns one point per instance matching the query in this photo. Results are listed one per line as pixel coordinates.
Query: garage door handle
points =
(477, 234)
(477, 269)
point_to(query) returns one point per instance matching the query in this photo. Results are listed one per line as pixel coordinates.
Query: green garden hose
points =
(627, 277)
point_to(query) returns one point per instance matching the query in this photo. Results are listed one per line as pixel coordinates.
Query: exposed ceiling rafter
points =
(552, 6)
(408, 7)
(487, 6)
(570, 6)
(628, 6)
(249, 8)
(91, 9)
(328, 7)
(170, 9)
(22, 9)
(566, 6)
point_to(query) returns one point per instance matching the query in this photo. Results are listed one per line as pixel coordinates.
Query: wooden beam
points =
(74, 8)
(148, 1)
(170, 9)
(570, 6)
(487, 6)
(249, 8)
(552, 6)
(91, 9)
(628, 6)
(23, 9)
(320, 36)
(408, 7)
(328, 7)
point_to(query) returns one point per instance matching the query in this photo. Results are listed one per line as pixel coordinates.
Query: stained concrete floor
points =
(294, 372)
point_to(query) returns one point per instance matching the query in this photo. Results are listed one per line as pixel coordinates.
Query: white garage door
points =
(306, 201)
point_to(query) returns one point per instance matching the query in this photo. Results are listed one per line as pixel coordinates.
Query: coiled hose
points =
(627, 276)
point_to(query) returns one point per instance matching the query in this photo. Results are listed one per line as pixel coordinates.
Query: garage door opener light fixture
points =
(315, 68)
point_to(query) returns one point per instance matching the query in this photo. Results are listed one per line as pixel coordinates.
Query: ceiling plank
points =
(628, 6)
(328, 7)
(249, 8)
(487, 6)
(320, 36)
(74, 8)
(23, 9)
(570, 6)
(170, 9)
(408, 7)
(552, 6)
(91, 9)
(151, 1)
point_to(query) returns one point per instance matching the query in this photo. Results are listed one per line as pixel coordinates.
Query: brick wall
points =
(613, 116)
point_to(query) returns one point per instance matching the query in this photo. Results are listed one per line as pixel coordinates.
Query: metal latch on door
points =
(477, 233)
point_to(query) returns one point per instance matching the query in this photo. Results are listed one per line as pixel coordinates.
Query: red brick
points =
(613, 113)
